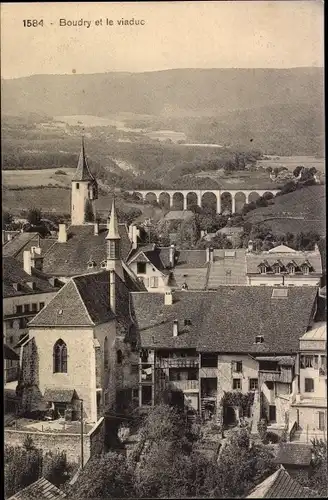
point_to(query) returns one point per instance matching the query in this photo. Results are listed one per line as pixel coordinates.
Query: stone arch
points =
(192, 199)
(268, 195)
(178, 201)
(226, 202)
(240, 200)
(151, 198)
(253, 196)
(138, 195)
(164, 200)
(209, 201)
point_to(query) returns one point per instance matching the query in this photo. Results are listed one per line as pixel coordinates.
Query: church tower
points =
(84, 192)
(113, 245)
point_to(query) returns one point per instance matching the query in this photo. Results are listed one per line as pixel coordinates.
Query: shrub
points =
(60, 172)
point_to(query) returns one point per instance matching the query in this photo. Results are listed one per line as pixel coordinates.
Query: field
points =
(33, 178)
(243, 179)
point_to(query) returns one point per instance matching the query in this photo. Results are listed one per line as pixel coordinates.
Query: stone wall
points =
(93, 442)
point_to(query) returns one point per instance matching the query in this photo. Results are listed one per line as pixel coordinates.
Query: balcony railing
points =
(11, 374)
(190, 362)
(184, 385)
(276, 376)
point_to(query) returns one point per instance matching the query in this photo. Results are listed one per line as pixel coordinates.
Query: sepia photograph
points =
(164, 250)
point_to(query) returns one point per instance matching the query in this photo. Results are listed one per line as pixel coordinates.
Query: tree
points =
(7, 219)
(106, 476)
(34, 216)
(297, 170)
(188, 233)
(22, 468)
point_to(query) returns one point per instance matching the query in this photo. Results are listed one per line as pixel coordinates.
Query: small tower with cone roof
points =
(113, 244)
(84, 192)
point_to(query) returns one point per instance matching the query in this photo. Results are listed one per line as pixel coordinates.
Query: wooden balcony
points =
(184, 385)
(187, 362)
(276, 376)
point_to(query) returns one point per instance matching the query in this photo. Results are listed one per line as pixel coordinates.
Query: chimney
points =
(96, 228)
(134, 233)
(172, 254)
(250, 247)
(27, 259)
(62, 233)
(175, 328)
(168, 298)
(112, 291)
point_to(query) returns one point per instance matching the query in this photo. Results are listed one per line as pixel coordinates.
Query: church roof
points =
(84, 301)
(83, 172)
(113, 232)
(71, 258)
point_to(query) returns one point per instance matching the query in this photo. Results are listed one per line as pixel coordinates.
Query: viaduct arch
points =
(190, 196)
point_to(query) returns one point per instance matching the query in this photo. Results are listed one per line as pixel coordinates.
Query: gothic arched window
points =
(60, 357)
(106, 352)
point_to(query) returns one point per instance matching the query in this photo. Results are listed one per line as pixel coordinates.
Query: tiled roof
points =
(194, 278)
(14, 246)
(71, 258)
(59, 395)
(317, 332)
(228, 268)
(281, 485)
(294, 454)
(84, 301)
(14, 274)
(41, 489)
(281, 360)
(191, 258)
(253, 260)
(226, 320)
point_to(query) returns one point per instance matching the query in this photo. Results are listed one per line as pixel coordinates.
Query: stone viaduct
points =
(188, 197)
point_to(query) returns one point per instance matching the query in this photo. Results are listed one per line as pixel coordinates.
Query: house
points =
(8, 235)
(42, 488)
(203, 344)
(26, 241)
(82, 345)
(309, 407)
(295, 458)
(283, 266)
(281, 485)
(153, 265)
(26, 290)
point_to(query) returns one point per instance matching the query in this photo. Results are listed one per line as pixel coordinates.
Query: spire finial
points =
(113, 233)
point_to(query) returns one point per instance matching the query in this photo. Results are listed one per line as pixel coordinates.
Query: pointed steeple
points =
(113, 233)
(82, 171)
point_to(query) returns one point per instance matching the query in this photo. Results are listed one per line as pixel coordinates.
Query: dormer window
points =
(262, 268)
(259, 339)
(91, 264)
(291, 268)
(31, 285)
(187, 322)
(103, 264)
(276, 268)
(305, 269)
(17, 287)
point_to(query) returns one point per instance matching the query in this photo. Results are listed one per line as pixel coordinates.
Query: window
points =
(103, 264)
(22, 323)
(321, 421)
(134, 369)
(291, 269)
(146, 395)
(91, 264)
(77, 185)
(236, 384)
(253, 384)
(60, 357)
(276, 269)
(26, 308)
(309, 361)
(187, 322)
(259, 339)
(269, 385)
(119, 356)
(309, 385)
(141, 267)
(305, 269)
(34, 307)
(237, 366)
(262, 269)
(41, 305)
(19, 309)
(154, 282)
(209, 361)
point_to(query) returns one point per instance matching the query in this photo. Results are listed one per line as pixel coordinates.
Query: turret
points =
(113, 245)
(84, 192)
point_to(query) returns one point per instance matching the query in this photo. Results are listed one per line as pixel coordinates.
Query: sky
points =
(235, 34)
